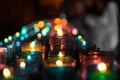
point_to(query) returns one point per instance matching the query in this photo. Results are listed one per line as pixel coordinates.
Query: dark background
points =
(16, 13)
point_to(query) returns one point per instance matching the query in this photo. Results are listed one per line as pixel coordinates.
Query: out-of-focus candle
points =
(59, 63)
(22, 65)
(60, 32)
(102, 67)
(96, 62)
(64, 67)
(7, 73)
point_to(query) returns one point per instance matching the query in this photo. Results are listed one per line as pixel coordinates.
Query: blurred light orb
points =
(57, 21)
(60, 33)
(102, 67)
(39, 35)
(6, 73)
(74, 31)
(22, 65)
(59, 63)
(64, 22)
(6, 40)
(84, 43)
(10, 38)
(60, 54)
(17, 34)
(41, 24)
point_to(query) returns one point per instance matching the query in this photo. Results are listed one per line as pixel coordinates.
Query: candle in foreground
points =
(8, 75)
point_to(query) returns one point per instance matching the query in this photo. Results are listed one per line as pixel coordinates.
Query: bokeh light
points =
(18, 43)
(17, 34)
(10, 38)
(102, 67)
(57, 21)
(6, 73)
(74, 31)
(41, 24)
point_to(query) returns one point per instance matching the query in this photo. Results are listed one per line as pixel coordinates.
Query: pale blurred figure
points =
(104, 27)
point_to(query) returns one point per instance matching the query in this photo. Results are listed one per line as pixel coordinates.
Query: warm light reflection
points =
(6, 73)
(10, 37)
(95, 52)
(102, 67)
(22, 65)
(59, 63)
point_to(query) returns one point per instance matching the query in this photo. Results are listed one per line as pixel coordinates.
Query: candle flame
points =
(22, 65)
(60, 33)
(102, 67)
(6, 73)
(59, 63)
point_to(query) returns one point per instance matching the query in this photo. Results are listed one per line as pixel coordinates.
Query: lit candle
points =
(60, 32)
(59, 63)
(95, 64)
(21, 70)
(8, 74)
(60, 68)
(22, 65)
(102, 67)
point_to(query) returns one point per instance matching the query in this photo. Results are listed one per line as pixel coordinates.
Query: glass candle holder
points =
(32, 51)
(21, 70)
(60, 68)
(96, 62)
(62, 43)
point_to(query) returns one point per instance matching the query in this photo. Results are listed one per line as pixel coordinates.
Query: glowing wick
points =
(6, 73)
(22, 65)
(102, 67)
(59, 63)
